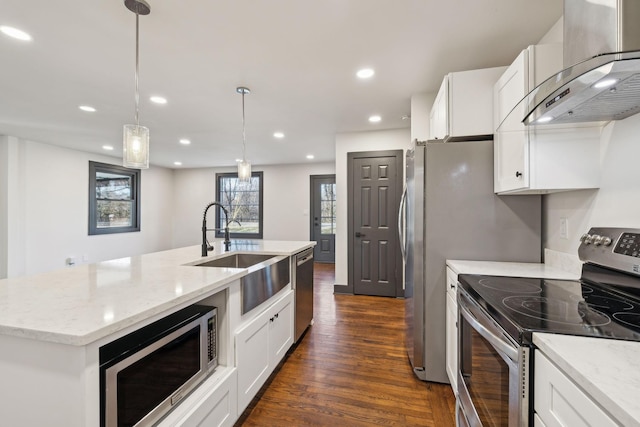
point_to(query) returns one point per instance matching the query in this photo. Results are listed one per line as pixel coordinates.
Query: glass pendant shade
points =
(135, 147)
(244, 171)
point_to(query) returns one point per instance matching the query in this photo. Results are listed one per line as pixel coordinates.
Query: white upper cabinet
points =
(462, 108)
(544, 158)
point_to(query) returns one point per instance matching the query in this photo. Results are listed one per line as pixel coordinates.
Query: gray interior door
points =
(376, 186)
(323, 217)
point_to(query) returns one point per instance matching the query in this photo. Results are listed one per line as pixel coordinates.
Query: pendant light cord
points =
(137, 66)
(244, 137)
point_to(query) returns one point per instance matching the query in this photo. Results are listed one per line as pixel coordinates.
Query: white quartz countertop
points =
(607, 370)
(512, 269)
(81, 304)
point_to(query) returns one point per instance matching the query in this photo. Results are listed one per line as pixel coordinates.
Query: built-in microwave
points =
(144, 374)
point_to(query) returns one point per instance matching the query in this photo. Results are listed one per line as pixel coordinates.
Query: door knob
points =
(359, 234)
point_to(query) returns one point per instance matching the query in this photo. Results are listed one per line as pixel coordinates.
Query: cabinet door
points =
(439, 112)
(511, 161)
(452, 343)
(559, 402)
(511, 166)
(508, 91)
(281, 330)
(252, 359)
(537, 422)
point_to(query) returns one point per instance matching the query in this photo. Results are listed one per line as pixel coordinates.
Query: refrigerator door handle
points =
(401, 228)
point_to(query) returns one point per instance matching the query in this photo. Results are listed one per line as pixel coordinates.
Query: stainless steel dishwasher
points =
(303, 282)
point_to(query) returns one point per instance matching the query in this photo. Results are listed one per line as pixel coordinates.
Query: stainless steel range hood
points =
(604, 87)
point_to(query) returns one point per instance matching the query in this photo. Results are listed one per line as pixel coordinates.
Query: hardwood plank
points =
(350, 369)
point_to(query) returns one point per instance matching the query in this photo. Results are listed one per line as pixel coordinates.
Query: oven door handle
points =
(500, 344)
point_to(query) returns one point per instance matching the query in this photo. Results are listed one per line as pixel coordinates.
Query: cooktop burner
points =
(525, 305)
(554, 311)
(507, 284)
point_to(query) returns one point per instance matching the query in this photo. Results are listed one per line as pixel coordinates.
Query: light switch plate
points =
(564, 228)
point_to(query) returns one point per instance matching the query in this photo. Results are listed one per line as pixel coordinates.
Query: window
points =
(243, 200)
(328, 208)
(114, 199)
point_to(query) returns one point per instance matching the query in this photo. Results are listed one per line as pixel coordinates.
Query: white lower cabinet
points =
(559, 402)
(537, 422)
(260, 345)
(212, 404)
(452, 330)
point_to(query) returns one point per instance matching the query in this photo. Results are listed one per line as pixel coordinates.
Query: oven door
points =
(493, 371)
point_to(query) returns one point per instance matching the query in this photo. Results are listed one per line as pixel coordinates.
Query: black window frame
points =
(219, 221)
(135, 175)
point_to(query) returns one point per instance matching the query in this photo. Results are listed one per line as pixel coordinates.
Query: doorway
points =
(323, 217)
(375, 182)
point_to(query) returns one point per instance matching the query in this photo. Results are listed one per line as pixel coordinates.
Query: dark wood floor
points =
(350, 369)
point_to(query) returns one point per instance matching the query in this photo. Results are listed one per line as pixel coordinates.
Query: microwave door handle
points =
(497, 342)
(401, 226)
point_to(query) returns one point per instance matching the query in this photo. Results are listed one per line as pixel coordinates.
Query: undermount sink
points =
(236, 261)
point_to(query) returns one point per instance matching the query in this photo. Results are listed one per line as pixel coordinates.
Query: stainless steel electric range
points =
(498, 315)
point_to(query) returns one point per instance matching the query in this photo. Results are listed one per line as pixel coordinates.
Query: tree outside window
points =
(328, 208)
(243, 200)
(114, 199)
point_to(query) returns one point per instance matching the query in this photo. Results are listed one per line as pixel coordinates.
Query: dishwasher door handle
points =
(304, 257)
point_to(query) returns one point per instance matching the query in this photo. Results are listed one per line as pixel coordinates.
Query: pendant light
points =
(244, 167)
(135, 142)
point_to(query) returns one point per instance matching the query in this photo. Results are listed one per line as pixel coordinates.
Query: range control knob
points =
(597, 239)
(586, 238)
(606, 241)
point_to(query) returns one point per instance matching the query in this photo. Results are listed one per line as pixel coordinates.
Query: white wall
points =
(47, 209)
(286, 200)
(4, 213)
(355, 142)
(615, 204)
(555, 33)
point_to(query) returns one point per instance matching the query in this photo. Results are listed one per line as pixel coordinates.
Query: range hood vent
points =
(607, 85)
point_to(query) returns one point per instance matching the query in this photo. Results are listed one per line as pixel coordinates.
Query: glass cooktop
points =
(525, 305)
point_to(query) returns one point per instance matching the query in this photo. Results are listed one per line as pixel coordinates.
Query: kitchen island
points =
(52, 325)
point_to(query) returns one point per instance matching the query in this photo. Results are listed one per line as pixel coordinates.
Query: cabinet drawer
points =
(559, 402)
(212, 404)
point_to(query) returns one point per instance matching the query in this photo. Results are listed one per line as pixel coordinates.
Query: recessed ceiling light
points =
(310, 156)
(107, 147)
(375, 119)
(238, 160)
(87, 108)
(158, 99)
(278, 135)
(365, 73)
(177, 163)
(185, 141)
(15, 33)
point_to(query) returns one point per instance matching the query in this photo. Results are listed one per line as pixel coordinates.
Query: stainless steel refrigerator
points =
(451, 212)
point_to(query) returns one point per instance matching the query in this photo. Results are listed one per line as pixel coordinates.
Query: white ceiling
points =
(298, 57)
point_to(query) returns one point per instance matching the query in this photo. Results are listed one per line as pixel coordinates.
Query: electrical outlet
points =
(564, 228)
